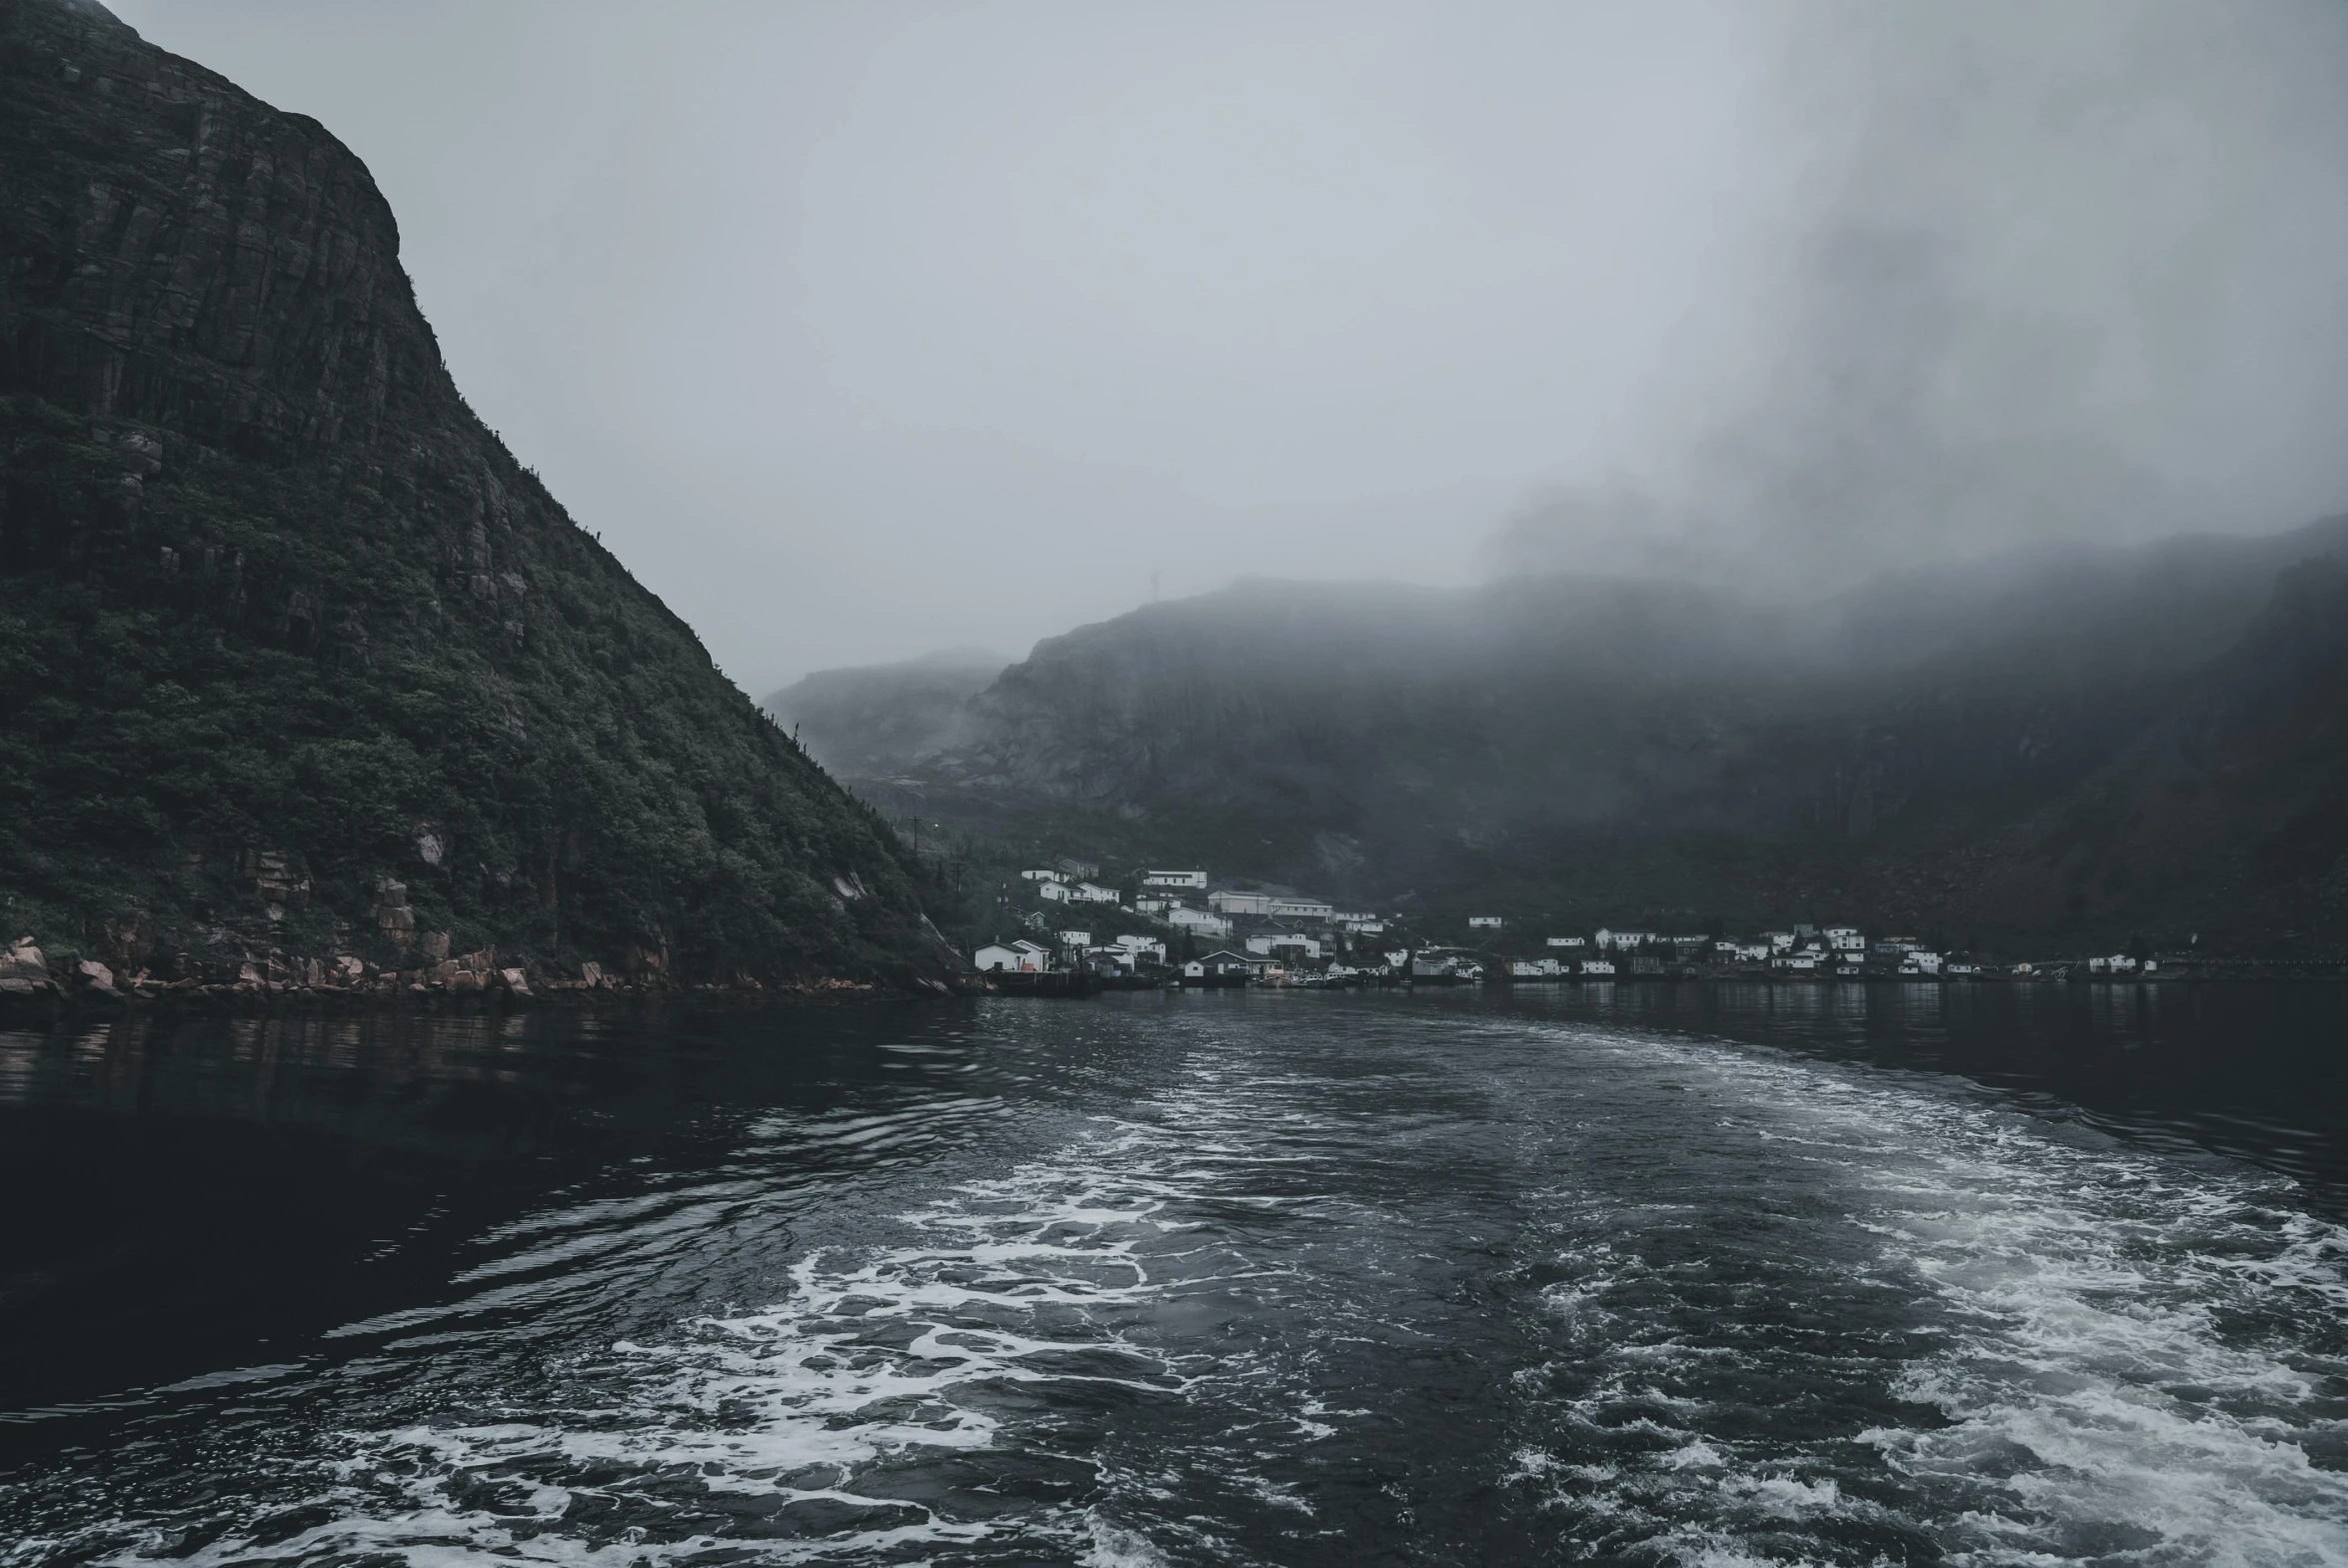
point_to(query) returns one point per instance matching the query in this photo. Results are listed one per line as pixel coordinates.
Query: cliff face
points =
(282, 625)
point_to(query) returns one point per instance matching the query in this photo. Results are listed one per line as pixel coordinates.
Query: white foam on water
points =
(2135, 1353)
(868, 1357)
(2125, 1353)
(875, 1358)
(1110, 1547)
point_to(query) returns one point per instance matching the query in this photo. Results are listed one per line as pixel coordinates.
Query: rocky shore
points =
(29, 983)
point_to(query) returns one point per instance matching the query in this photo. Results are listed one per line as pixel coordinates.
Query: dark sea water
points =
(1850, 1275)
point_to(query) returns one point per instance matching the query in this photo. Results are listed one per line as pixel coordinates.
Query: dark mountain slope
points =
(1938, 749)
(279, 620)
(864, 720)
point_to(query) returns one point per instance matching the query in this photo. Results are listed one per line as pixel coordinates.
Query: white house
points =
(1056, 892)
(1225, 901)
(1489, 923)
(1140, 947)
(1533, 968)
(1223, 963)
(1843, 938)
(1019, 957)
(1569, 942)
(1040, 875)
(1076, 938)
(1093, 892)
(1365, 926)
(1351, 920)
(1199, 923)
(1779, 941)
(1623, 941)
(1597, 965)
(1284, 942)
(1156, 905)
(1076, 867)
(1196, 880)
(1919, 962)
(1800, 960)
(1298, 910)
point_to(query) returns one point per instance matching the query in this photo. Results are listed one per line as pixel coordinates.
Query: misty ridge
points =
(2053, 618)
(2030, 285)
(2067, 737)
(1953, 555)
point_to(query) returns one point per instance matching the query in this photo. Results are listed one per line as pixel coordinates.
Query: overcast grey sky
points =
(864, 327)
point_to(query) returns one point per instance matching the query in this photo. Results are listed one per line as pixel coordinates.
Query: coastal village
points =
(1154, 926)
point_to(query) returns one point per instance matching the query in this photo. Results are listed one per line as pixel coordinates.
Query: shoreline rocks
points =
(345, 982)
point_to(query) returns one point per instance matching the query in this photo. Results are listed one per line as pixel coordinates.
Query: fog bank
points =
(860, 331)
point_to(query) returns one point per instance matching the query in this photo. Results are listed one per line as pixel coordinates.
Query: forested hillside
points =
(2075, 740)
(297, 656)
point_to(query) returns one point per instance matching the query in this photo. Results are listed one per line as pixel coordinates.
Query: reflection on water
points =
(1655, 1274)
(2256, 1072)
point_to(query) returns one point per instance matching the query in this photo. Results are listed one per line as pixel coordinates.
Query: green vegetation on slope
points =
(282, 624)
(2086, 747)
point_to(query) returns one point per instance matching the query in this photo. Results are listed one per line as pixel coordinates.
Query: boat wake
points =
(1951, 1333)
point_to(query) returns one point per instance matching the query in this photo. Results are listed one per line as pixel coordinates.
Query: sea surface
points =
(1641, 1275)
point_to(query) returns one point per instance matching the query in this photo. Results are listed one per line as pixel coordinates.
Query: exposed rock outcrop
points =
(292, 652)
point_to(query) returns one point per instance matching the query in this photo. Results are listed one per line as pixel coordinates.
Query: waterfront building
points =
(1018, 958)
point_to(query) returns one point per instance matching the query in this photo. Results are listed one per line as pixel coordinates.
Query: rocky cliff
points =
(294, 656)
